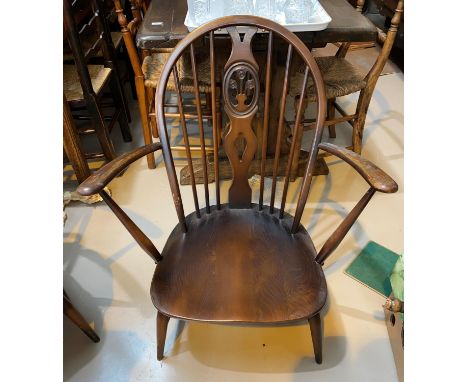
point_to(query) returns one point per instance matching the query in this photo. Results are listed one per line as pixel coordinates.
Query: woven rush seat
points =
(340, 77)
(152, 67)
(71, 81)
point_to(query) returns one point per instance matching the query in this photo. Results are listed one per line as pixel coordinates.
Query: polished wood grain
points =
(338, 235)
(99, 179)
(280, 130)
(216, 118)
(161, 330)
(200, 126)
(315, 324)
(266, 115)
(373, 175)
(143, 241)
(239, 265)
(241, 91)
(297, 132)
(188, 150)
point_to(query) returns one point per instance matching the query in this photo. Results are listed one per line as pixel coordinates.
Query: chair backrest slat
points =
(279, 136)
(171, 172)
(240, 88)
(266, 115)
(200, 126)
(307, 180)
(299, 117)
(214, 118)
(186, 138)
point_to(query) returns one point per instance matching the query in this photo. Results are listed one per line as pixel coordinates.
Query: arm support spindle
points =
(374, 176)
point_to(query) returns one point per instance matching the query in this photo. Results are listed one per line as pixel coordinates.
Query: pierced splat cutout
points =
(242, 88)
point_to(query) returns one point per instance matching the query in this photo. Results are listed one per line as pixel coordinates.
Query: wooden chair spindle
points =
(200, 126)
(280, 129)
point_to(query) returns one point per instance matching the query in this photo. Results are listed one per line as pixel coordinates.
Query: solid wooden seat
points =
(339, 75)
(209, 274)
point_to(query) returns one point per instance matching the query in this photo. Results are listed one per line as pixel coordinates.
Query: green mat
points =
(373, 266)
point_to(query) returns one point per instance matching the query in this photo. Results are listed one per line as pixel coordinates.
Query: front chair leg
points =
(161, 330)
(315, 324)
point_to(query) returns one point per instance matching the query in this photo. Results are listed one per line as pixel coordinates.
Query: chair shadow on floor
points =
(97, 274)
(258, 348)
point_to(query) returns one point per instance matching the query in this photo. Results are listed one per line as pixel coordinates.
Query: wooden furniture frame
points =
(77, 318)
(164, 24)
(145, 94)
(358, 118)
(72, 145)
(91, 88)
(240, 261)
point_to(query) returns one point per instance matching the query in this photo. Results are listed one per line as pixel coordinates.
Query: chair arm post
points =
(95, 183)
(373, 175)
(143, 240)
(336, 237)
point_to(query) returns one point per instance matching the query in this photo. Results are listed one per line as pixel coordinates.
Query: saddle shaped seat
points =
(239, 265)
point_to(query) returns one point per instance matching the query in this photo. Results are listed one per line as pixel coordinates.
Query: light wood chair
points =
(342, 78)
(147, 69)
(240, 262)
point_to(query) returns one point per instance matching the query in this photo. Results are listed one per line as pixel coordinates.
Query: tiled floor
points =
(107, 277)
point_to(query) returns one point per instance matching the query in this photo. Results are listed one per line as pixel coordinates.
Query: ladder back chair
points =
(342, 78)
(114, 40)
(84, 83)
(240, 261)
(147, 70)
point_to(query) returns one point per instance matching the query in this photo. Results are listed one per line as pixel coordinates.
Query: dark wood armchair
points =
(240, 261)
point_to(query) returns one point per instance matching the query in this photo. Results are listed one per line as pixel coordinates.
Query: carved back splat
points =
(241, 89)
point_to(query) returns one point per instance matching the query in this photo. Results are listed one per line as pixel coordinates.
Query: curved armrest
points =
(373, 175)
(98, 180)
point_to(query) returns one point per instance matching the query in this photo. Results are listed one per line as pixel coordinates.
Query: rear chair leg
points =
(315, 324)
(161, 330)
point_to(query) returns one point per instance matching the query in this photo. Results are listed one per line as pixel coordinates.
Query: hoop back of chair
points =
(240, 93)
